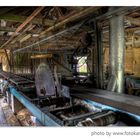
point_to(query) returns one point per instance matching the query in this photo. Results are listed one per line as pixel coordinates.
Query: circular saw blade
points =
(45, 85)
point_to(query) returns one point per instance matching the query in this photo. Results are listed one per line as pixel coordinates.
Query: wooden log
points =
(39, 56)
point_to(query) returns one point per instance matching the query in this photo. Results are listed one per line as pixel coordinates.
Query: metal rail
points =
(42, 117)
(15, 79)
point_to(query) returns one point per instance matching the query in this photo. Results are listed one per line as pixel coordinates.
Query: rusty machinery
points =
(54, 100)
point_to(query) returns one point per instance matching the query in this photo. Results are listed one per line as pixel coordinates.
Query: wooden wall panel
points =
(132, 60)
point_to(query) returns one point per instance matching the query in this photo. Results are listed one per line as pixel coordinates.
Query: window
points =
(82, 64)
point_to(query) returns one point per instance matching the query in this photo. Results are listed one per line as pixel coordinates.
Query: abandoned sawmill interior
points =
(70, 66)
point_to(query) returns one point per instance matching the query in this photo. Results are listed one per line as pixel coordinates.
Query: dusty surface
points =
(24, 116)
(7, 116)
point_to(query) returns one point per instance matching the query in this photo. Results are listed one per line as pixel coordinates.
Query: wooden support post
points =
(7, 58)
(98, 56)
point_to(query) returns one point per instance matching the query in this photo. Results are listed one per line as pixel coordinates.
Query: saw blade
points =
(44, 81)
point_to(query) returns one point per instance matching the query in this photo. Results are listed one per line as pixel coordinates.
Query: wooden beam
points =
(7, 29)
(133, 21)
(3, 38)
(25, 38)
(6, 54)
(21, 19)
(136, 43)
(132, 29)
(38, 56)
(5, 10)
(28, 19)
(61, 18)
(19, 38)
(23, 34)
(74, 17)
(32, 45)
(12, 29)
(61, 48)
(61, 42)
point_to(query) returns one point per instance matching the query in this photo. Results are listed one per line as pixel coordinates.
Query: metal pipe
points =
(112, 54)
(112, 49)
(120, 53)
(112, 83)
(117, 52)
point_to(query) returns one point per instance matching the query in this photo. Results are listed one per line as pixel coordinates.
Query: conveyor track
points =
(124, 102)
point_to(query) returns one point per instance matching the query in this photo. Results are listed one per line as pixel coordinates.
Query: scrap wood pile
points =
(25, 118)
